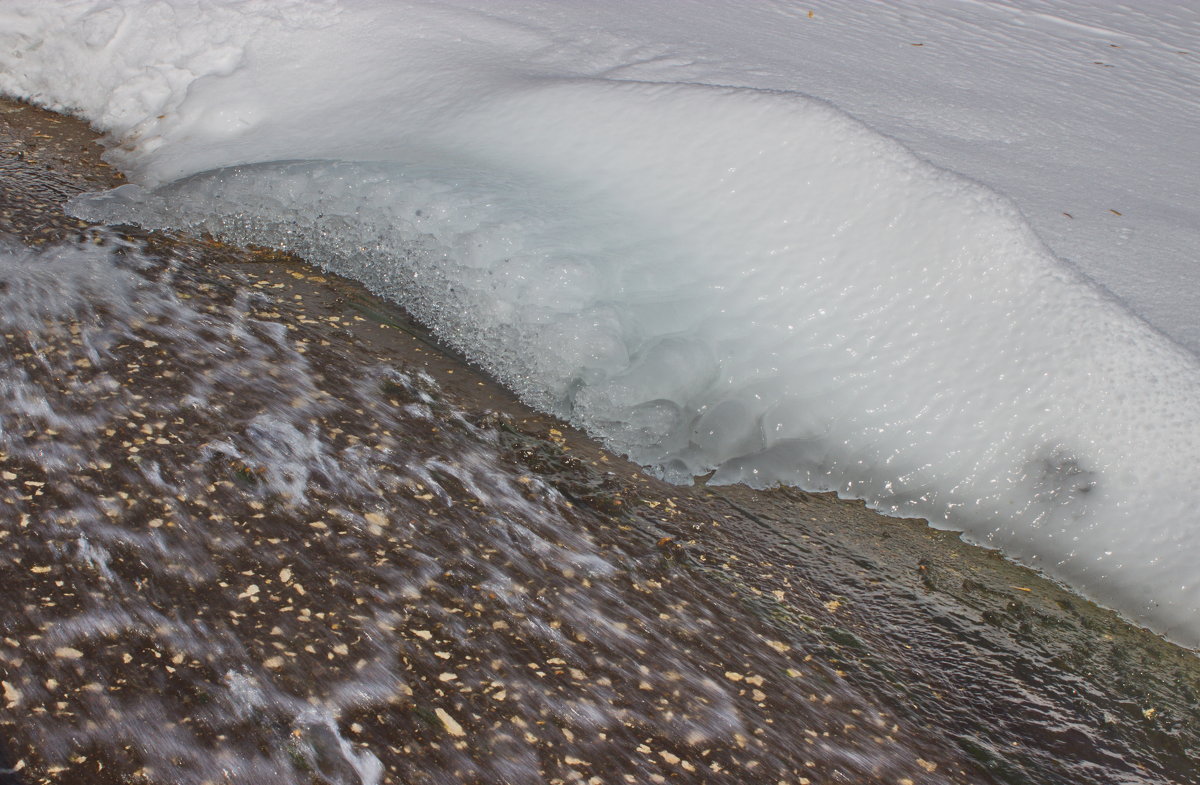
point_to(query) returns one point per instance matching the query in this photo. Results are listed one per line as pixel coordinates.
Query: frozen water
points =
(654, 233)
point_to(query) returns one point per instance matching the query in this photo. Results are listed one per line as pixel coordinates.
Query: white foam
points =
(710, 278)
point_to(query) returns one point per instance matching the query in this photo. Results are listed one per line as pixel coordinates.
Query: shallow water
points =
(232, 563)
(988, 671)
(242, 551)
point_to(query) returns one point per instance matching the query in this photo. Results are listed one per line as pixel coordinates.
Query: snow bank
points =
(708, 277)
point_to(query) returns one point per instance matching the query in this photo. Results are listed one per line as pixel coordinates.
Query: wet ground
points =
(259, 528)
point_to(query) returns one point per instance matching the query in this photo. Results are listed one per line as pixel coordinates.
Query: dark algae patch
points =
(259, 527)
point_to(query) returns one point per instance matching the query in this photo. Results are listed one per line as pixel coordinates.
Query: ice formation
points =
(672, 246)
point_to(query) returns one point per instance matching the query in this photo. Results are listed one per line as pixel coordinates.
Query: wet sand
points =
(358, 559)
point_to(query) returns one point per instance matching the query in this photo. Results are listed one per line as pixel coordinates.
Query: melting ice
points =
(716, 278)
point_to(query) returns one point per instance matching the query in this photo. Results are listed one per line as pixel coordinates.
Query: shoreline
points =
(988, 670)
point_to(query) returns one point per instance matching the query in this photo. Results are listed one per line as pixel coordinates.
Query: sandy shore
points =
(458, 589)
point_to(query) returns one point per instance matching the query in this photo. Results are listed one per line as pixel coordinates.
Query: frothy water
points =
(228, 572)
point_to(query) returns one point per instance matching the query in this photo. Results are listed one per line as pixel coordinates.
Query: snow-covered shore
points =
(650, 229)
(791, 616)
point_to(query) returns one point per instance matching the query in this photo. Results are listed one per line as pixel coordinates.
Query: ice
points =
(649, 227)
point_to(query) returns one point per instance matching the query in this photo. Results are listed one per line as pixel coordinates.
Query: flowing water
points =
(247, 542)
(230, 562)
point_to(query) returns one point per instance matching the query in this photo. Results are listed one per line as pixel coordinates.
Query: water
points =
(234, 566)
(245, 547)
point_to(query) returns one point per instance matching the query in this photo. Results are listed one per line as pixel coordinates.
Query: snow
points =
(939, 256)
